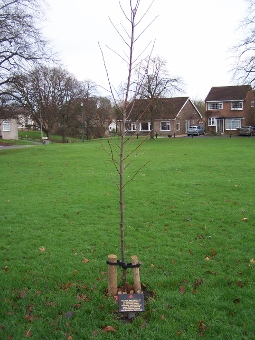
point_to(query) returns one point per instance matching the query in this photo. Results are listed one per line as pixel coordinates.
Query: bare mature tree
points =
(121, 158)
(46, 95)
(155, 83)
(88, 107)
(21, 41)
(200, 105)
(244, 68)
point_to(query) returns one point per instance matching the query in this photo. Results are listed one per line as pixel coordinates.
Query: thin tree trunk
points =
(122, 235)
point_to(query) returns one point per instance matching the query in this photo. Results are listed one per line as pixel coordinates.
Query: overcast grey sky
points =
(194, 37)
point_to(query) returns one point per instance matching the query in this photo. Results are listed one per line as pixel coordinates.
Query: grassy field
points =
(189, 218)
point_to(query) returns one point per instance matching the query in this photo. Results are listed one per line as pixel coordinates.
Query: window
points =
(145, 126)
(236, 105)
(6, 125)
(164, 126)
(178, 126)
(233, 123)
(252, 103)
(215, 106)
(211, 121)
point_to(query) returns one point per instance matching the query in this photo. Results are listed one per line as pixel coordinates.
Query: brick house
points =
(170, 116)
(229, 107)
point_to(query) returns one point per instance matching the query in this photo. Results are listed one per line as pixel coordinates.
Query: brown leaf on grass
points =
(67, 285)
(82, 297)
(240, 284)
(213, 252)
(162, 317)
(236, 300)
(252, 261)
(85, 261)
(42, 249)
(28, 334)
(198, 283)
(182, 289)
(207, 258)
(108, 329)
(245, 219)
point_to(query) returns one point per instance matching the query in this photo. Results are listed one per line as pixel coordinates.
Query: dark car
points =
(195, 130)
(246, 131)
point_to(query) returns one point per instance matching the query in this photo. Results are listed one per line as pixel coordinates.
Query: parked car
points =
(246, 131)
(195, 130)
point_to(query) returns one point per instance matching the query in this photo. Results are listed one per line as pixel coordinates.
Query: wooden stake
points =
(136, 275)
(112, 275)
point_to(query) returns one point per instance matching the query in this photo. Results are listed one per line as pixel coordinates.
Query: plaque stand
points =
(129, 302)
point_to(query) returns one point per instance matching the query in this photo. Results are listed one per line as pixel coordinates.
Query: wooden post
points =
(112, 275)
(136, 275)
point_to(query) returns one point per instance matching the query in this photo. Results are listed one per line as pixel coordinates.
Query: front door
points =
(220, 126)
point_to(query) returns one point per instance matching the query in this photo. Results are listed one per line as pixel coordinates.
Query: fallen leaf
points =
(198, 282)
(240, 284)
(68, 285)
(108, 329)
(252, 261)
(28, 334)
(237, 300)
(162, 317)
(42, 249)
(245, 219)
(85, 261)
(152, 265)
(82, 297)
(182, 289)
(207, 258)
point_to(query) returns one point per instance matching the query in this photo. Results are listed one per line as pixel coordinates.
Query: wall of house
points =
(249, 111)
(13, 133)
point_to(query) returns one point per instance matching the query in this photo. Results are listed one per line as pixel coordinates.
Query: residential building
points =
(229, 107)
(166, 116)
(8, 129)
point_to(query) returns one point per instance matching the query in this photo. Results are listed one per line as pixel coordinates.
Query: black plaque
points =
(131, 303)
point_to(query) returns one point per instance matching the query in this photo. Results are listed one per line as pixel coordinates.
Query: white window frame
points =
(233, 123)
(252, 103)
(178, 126)
(148, 126)
(167, 125)
(215, 106)
(237, 105)
(133, 126)
(211, 121)
(6, 126)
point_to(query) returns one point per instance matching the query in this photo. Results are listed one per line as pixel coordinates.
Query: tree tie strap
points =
(123, 264)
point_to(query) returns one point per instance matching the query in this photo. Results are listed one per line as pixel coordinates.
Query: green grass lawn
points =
(189, 218)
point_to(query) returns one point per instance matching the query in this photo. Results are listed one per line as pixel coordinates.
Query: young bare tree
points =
(130, 38)
(157, 83)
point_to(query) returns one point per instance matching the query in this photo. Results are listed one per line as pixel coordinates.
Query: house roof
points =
(165, 107)
(225, 93)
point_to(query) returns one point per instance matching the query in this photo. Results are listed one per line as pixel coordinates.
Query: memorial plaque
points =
(131, 303)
